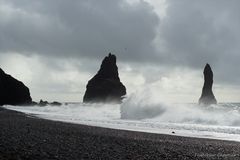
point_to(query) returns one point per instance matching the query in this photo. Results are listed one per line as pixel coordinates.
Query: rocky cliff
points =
(105, 86)
(12, 91)
(207, 96)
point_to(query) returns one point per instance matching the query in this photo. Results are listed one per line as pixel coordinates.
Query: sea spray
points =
(222, 114)
(141, 106)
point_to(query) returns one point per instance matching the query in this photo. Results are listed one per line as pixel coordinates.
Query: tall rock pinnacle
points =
(105, 86)
(207, 96)
(12, 91)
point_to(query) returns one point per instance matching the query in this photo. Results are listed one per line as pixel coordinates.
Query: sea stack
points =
(105, 86)
(207, 97)
(12, 91)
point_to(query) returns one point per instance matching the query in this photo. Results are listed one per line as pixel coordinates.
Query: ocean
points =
(221, 121)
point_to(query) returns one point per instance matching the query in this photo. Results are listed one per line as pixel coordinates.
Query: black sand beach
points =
(28, 138)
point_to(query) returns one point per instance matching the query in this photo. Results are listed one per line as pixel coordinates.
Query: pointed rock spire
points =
(12, 91)
(207, 96)
(105, 86)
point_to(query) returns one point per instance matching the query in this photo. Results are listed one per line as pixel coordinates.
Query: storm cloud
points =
(196, 32)
(78, 28)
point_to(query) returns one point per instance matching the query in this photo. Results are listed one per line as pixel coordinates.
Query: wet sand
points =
(24, 137)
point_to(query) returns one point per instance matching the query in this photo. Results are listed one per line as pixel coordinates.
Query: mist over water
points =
(147, 112)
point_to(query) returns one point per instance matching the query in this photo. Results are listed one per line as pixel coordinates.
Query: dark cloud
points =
(196, 32)
(78, 28)
(191, 34)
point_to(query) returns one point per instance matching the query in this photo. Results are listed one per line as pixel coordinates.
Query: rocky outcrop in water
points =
(105, 86)
(46, 103)
(207, 96)
(12, 91)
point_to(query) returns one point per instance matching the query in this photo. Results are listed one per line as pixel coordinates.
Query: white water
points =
(217, 121)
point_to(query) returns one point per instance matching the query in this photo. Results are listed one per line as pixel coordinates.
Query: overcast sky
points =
(162, 46)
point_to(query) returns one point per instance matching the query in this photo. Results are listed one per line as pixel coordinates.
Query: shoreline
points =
(167, 132)
(28, 137)
(158, 128)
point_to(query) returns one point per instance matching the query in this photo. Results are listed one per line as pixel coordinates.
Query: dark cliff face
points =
(207, 96)
(12, 91)
(105, 86)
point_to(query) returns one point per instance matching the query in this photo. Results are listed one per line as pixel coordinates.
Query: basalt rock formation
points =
(105, 86)
(45, 103)
(12, 91)
(207, 96)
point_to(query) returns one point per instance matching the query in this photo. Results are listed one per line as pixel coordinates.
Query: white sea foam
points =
(222, 114)
(145, 114)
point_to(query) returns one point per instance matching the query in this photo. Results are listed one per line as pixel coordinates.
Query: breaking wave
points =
(226, 114)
